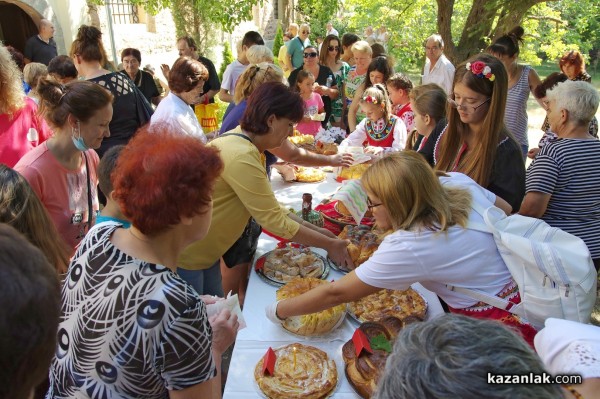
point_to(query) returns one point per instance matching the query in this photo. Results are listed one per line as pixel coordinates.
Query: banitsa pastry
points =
(313, 375)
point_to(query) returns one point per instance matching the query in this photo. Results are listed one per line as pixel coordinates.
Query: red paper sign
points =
(361, 342)
(269, 362)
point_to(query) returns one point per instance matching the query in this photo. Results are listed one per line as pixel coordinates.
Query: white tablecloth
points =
(253, 341)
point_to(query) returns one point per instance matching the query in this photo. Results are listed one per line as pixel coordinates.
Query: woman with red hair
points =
(573, 65)
(156, 339)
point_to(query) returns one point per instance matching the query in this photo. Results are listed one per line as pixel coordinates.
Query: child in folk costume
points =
(399, 86)
(313, 103)
(381, 130)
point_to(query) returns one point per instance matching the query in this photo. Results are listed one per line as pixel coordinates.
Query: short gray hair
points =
(579, 98)
(436, 38)
(451, 356)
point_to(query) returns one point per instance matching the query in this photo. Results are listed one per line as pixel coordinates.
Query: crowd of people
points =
(111, 189)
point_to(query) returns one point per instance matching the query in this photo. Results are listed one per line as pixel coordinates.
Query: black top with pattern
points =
(128, 328)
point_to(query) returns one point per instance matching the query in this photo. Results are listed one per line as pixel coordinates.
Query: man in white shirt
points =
(438, 69)
(331, 30)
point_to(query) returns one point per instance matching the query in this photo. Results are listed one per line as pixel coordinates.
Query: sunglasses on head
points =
(310, 55)
(332, 48)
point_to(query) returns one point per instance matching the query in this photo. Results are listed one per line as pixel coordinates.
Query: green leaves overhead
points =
(225, 13)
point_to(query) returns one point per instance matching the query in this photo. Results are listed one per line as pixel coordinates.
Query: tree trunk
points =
(479, 25)
(512, 16)
(444, 24)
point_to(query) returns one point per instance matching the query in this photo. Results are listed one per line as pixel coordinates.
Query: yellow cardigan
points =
(242, 190)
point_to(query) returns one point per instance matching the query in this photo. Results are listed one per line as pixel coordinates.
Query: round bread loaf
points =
(312, 324)
(311, 376)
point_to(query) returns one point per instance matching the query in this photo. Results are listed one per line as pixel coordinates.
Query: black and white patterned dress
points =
(128, 329)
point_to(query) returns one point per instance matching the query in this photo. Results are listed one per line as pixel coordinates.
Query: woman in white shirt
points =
(431, 244)
(186, 82)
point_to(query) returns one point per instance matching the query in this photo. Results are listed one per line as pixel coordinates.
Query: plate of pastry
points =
(300, 372)
(282, 265)
(309, 175)
(364, 370)
(339, 214)
(364, 241)
(314, 324)
(388, 303)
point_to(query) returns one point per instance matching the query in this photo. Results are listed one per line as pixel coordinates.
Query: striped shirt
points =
(515, 117)
(569, 170)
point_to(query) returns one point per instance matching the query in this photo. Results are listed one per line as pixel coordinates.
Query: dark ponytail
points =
(88, 45)
(508, 44)
(82, 99)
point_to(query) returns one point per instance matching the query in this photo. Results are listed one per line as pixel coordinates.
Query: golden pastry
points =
(386, 303)
(363, 372)
(354, 171)
(302, 139)
(309, 175)
(301, 372)
(285, 264)
(310, 324)
(364, 242)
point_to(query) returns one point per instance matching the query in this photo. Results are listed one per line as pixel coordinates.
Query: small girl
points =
(399, 86)
(381, 130)
(428, 104)
(313, 104)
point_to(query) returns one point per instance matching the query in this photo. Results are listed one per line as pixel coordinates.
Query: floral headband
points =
(370, 99)
(479, 69)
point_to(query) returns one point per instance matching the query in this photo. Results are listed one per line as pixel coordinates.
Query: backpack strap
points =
(491, 300)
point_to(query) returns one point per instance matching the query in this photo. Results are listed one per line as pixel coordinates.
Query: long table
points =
(260, 334)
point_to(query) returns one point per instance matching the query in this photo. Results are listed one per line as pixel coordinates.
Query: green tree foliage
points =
(317, 13)
(227, 59)
(199, 17)
(277, 43)
(469, 26)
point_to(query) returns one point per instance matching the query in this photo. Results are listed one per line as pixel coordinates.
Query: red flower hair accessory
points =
(370, 99)
(479, 69)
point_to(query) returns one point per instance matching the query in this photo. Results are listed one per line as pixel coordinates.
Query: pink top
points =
(312, 106)
(15, 136)
(62, 191)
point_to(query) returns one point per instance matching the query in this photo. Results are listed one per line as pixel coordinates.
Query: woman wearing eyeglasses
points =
(326, 85)
(430, 244)
(330, 56)
(475, 141)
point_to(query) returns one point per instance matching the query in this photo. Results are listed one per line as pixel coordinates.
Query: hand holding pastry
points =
(338, 253)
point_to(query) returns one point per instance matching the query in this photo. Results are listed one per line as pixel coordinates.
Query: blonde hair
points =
(478, 162)
(253, 76)
(362, 47)
(259, 53)
(11, 88)
(33, 72)
(413, 195)
(378, 93)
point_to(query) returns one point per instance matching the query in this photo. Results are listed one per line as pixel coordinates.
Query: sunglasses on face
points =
(306, 32)
(310, 55)
(333, 48)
